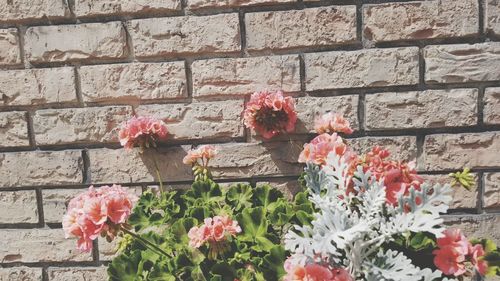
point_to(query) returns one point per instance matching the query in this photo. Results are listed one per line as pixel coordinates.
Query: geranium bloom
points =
(332, 123)
(215, 229)
(456, 239)
(450, 260)
(270, 113)
(477, 254)
(316, 272)
(95, 211)
(142, 131)
(204, 152)
(318, 149)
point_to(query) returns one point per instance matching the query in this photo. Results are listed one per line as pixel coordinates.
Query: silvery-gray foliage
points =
(352, 236)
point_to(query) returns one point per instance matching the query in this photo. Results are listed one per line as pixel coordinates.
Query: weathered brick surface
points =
(491, 111)
(420, 20)
(245, 75)
(462, 198)
(455, 151)
(462, 62)
(427, 109)
(40, 168)
(87, 8)
(37, 86)
(478, 226)
(33, 10)
(492, 16)
(38, 245)
(365, 68)
(55, 202)
(185, 35)
(13, 129)
(310, 108)
(75, 42)
(77, 273)
(491, 190)
(18, 207)
(206, 120)
(196, 4)
(79, 125)
(10, 53)
(21, 273)
(291, 29)
(125, 82)
(401, 147)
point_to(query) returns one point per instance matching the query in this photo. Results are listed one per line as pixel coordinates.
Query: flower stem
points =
(158, 175)
(145, 242)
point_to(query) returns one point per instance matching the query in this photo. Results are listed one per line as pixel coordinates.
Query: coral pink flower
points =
(318, 149)
(142, 131)
(450, 260)
(456, 239)
(477, 255)
(270, 113)
(316, 272)
(213, 230)
(94, 211)
(332, 123)
(204, 152)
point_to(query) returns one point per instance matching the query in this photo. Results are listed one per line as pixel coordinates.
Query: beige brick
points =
(481, 226)
(206, 120)
(18, 207)
(136, 81)
(462, 63)
(90, 8)
(55, 201)
(491, 110)
(120, 166)
(309, 108)
(79, 42)
(472, 150)
(427, 109)
(37, 86)
(420, 20)
(462, 198)
(245, 75)
(492, 16)
(79, 125)
(32, 10)
(38, 245)
(20, 274)
(491, 197)
(196, 4)
(10, 52)
(77, 273)
(13, 129)
(325, 26)
(400, 148)
(185, 35)
(40, 168)
(364, 68)
(108, 250)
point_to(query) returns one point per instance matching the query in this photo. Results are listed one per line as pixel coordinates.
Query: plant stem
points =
(146, 242)
(158, 174)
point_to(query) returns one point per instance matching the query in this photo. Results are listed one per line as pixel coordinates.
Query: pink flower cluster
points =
(398, 176)
(332, 123)
(96, 211)
(455, 250)
(214, 230)
(270, 113)
(142, 131)
(318, 149)
(315, 272)
(204, 152)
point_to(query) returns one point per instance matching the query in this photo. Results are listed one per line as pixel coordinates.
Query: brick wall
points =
(421, 77)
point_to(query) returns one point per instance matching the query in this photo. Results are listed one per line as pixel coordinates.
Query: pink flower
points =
(315, 272)
(96, 211)
(318, 149)
(204, 152)
(270, 113)
(142, 131)
(213, 230)
(332, 123)
(449, 260)
(456, 239)
(477, 257)
(192, 157)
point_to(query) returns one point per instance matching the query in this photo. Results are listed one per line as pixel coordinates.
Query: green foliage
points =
(255, 254)
(463, 178)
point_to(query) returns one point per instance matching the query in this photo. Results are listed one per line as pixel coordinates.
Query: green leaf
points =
(125, 267)
(422, 241)
(274, 262)
(240, 196)
(223, 271)
(197, 274)
(265, 195)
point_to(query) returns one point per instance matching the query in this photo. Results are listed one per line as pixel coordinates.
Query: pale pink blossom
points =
(332, 123)
(477, 254)
(315, 272)
(213, 230)
(270, 113)
(203, 153)
(318, 149)
(95, 211)
(142, 131)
